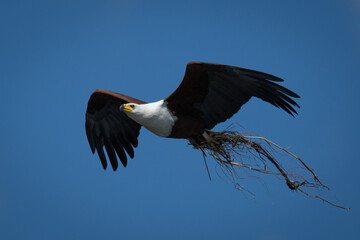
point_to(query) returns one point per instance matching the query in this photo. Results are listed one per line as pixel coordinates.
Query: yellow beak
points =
(127, 107)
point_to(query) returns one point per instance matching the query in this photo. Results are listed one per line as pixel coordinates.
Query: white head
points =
(154, 116)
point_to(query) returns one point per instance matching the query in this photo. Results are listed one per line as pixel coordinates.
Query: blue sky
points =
(54, 54)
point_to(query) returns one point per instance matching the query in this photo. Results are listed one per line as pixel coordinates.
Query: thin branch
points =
(207, 169)
(323, 199)
(285, 150)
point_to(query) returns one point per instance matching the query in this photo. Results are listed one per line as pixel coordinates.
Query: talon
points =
(210, 140)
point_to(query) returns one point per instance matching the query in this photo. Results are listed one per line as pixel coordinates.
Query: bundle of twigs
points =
(233, 151)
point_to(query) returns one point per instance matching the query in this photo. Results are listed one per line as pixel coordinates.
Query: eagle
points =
(209, 94)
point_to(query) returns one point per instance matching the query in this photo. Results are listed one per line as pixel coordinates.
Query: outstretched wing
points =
(107, 126)
(216, 92)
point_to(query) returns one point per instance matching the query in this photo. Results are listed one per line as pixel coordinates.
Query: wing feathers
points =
(100, 150)
(256, 74)
(120, 152)
(106, 126)
(219, 91)
(128, 148)
(282, 89)
(111, 154)
(89, 125)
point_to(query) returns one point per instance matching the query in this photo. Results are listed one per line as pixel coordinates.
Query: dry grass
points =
(234, 152)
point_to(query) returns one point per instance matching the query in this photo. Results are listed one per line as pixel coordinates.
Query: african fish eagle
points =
(209, 94)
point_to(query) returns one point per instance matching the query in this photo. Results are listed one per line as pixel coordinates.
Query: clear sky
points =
(54, 54)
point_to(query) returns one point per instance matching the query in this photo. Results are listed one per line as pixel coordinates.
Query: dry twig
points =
(232, 151)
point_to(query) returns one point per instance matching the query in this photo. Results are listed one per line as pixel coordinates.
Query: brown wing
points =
(215, 92)
(107, 126)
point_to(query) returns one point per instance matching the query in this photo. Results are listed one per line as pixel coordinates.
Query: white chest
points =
(155, 117)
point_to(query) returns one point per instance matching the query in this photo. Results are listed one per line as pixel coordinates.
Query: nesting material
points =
(235, 152)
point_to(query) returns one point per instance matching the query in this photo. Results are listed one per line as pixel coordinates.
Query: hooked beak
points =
(126, 108)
